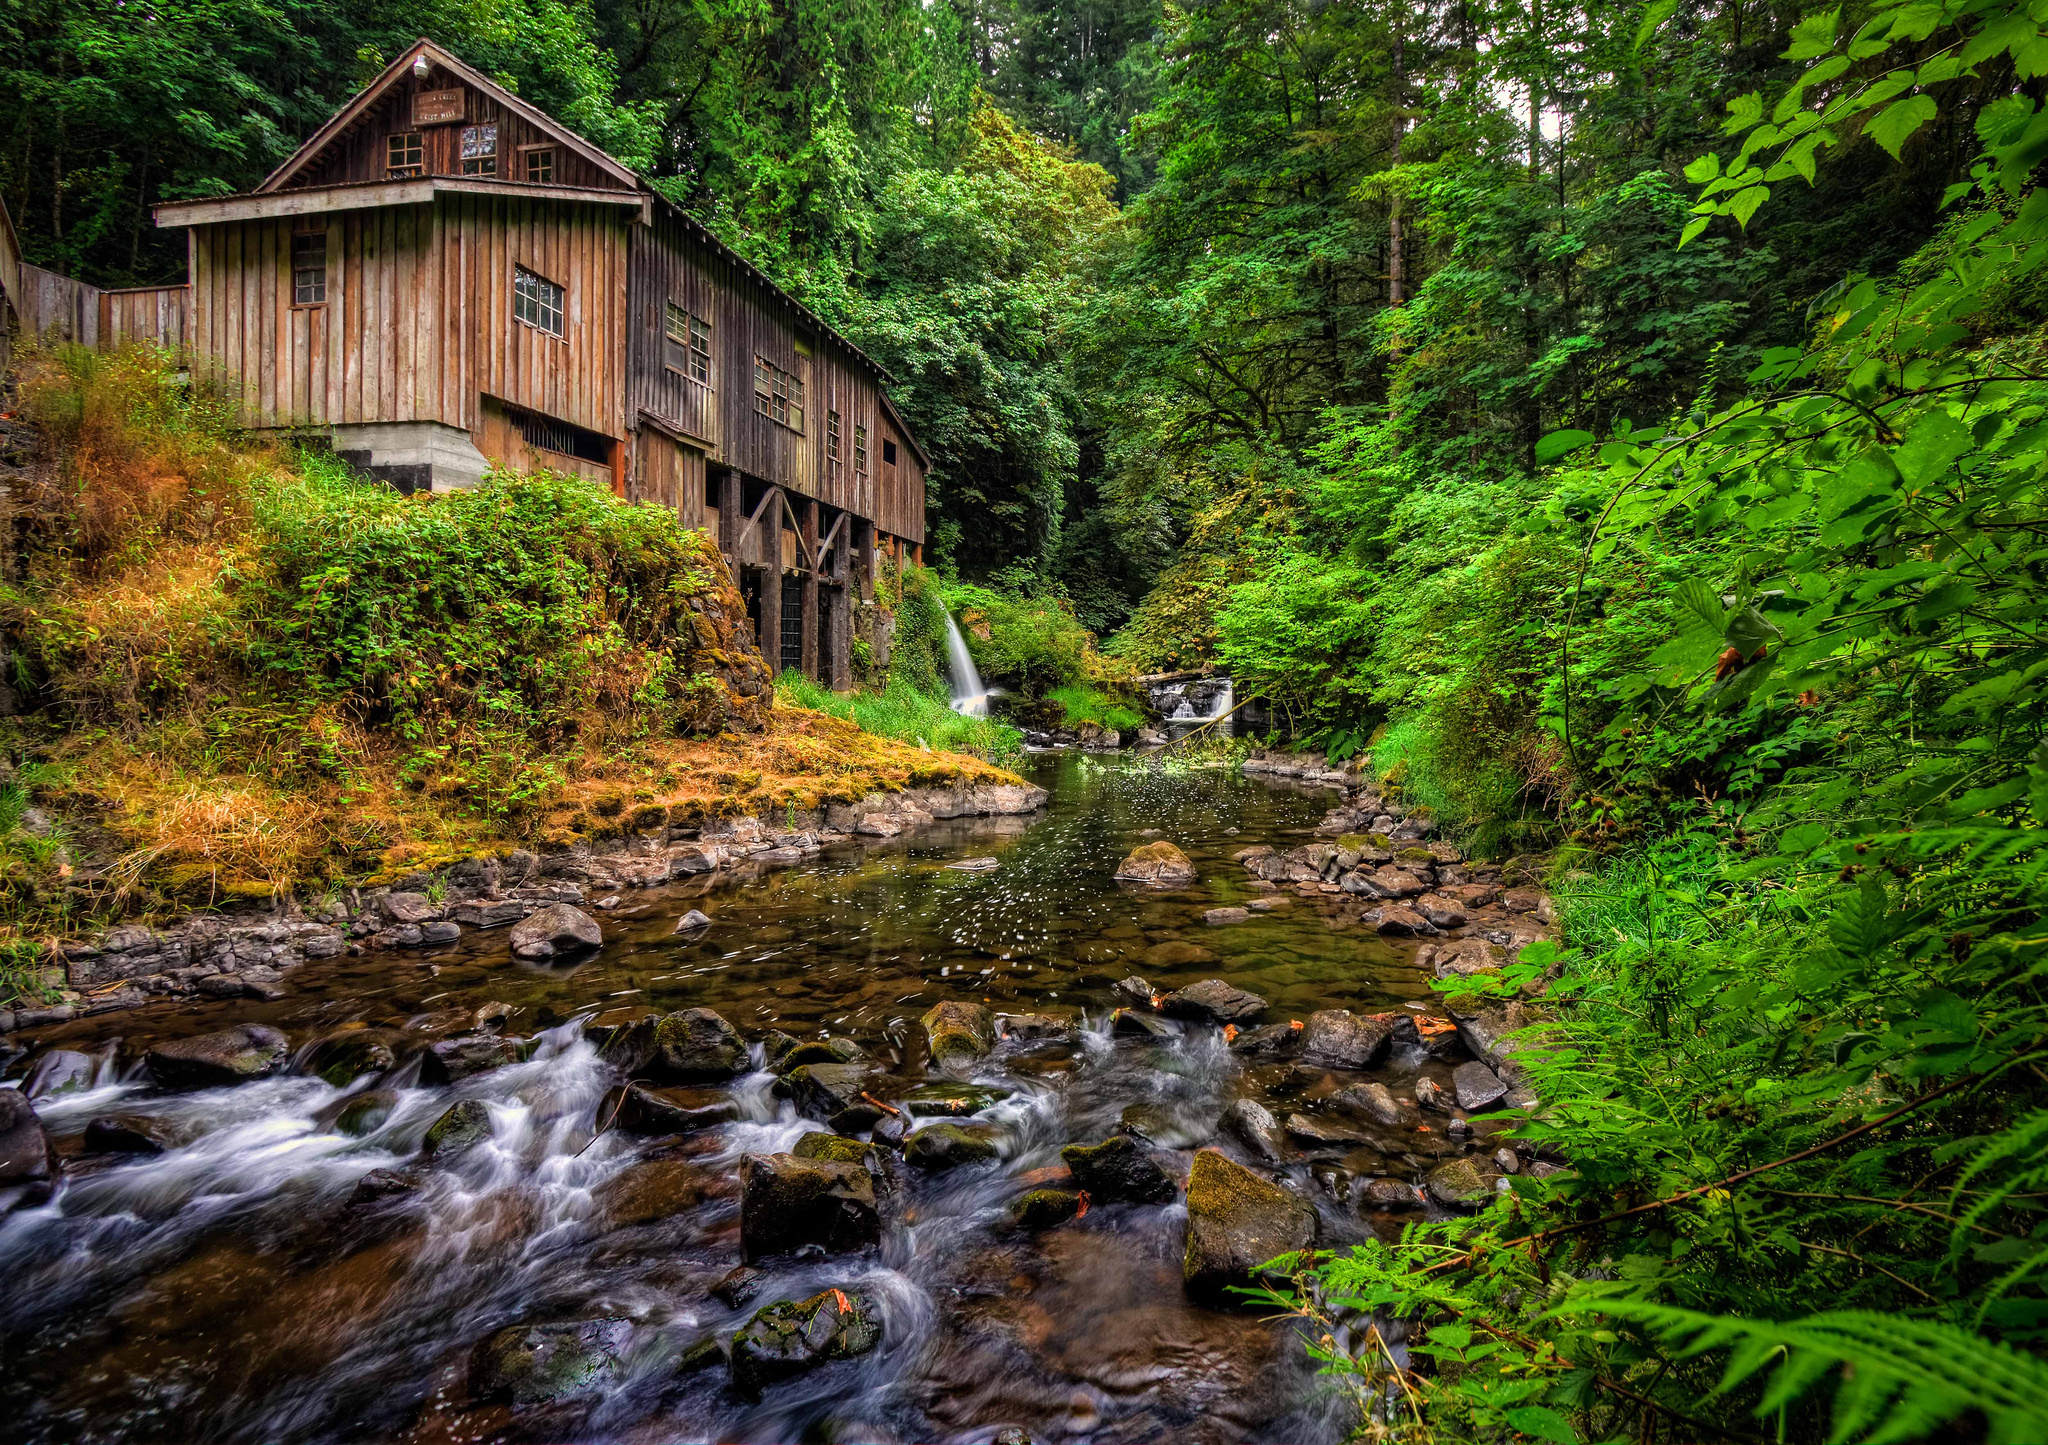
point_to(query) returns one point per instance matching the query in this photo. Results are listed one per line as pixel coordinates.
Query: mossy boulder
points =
(835, 1147)
(1119, 1168)
(1157, 865)
(209, 1061)
(958, 1033)
(794, 1337)
(821, 1091)
(948, 1146)
(951, 1101)
(1045, 1208)
(349, 1052)
(820, 1051)
(1460, 1184)
(463, 1126)
(1237, 1222)
(653, 1190)
(697, 1044)
(787, 1202)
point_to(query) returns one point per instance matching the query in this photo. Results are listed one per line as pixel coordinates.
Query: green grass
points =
(1086, 704)
(902, 712)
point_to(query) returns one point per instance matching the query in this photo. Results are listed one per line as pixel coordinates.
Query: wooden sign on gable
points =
(438, 107)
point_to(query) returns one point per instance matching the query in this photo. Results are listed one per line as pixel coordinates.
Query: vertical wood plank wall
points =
(418, 323)
(145, 313)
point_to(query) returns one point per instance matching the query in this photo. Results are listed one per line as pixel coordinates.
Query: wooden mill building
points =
(444, 277)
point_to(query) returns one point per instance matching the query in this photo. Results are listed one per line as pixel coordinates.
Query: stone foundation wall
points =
(225, 958)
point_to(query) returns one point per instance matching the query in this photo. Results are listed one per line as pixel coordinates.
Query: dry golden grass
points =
(195, 832)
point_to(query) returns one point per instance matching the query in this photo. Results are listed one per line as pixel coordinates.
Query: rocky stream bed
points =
(962, 1135)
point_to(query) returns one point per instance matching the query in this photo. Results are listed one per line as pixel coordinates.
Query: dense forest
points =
(1623, 421)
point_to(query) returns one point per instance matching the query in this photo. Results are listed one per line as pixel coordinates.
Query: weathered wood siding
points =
(417, 324)
(57, 308)
(145, 313)
(672, 262)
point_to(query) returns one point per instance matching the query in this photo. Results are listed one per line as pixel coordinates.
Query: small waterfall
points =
(970, 698)
(1189, 704)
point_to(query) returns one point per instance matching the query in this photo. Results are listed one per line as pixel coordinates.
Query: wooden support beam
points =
(839, 563)
(807, 535)
(770, 634)
(768, 499)
(807, 555)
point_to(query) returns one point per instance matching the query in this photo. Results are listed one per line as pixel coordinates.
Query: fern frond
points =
(2025, 1140)
(1896, 1379)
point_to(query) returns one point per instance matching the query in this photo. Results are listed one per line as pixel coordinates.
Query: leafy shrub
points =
(917, 652)
(908, 715)
(1079, 703)
(1030, 643)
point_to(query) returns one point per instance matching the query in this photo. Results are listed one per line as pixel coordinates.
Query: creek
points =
(226, 1289)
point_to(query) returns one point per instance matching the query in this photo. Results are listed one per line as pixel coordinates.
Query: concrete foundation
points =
(413, 456)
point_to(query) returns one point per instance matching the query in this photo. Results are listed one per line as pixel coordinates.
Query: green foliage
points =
(908, 715)
(1079, 703)
(917, 651)
(1030, 644)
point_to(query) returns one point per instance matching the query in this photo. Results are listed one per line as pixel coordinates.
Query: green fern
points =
(1896, 1379)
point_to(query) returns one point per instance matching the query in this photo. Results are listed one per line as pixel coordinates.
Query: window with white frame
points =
(537, 301)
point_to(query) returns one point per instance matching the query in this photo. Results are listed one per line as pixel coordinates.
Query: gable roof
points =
(343, 120)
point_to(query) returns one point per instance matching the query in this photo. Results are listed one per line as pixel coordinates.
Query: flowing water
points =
(970, 694)
(227, 1291)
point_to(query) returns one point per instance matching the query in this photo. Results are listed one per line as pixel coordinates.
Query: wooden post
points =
(771, 617)
(842, 637)
(729, 520)
(809, 532)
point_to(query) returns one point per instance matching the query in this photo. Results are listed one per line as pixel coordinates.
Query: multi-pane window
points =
(540, 166)
(309, 261)
(832, 445)
(779, 395)
(537, 301)
(404, 155)
(479, 150)
(860, 451)
(689, 344)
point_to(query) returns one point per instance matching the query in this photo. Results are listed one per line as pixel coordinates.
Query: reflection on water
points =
(228, 1289)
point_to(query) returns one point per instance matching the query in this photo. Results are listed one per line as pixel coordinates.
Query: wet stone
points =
(1253, 1125)
(821, 1051)
(787, 1202)
(365, 1113)
(794, 1337)
(837, 1148)
(347, 1054)
(1269, 1039)
(1157, 865)
(65, 1071)
(1045, 1208)
(1119, 1168)
(1375, 1100)
(549, 1364)
(1388, 1194)
(653, 1190)
(639, 1109)
(1318, 1132)
(1461, 1183)
(738, 1285)
(1163, 1126)
(130, 1134)
(821, 1090)
(1034, 1029)
(1477, 1086)
(1213, 1001)
(26, 1157)
(379, 1185)
(951, 1101)
(560, 928)
(466, 1056)
(1236, 1222)
(1430, 1095)
(1218, 917)
(232, 1056)
(1341, 1039)
(948, 1146)
(1137, 1023)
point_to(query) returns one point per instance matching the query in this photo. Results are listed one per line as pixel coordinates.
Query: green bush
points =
(1081, 703)
(917, 652)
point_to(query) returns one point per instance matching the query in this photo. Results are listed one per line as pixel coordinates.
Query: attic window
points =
(479, 150)
(404, 156)
(540, 166)
(888, 452)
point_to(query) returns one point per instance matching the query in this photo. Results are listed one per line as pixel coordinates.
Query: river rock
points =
(26, 1158)
(1217, 917)
(1136, 990)
(787, 1202)
(1236, 1222)
(130, 1134)
(348, 1053)
(793, 1337)
(549, 1364)
(1157, 865)
(697, 1044)
(1375, 1100)
(693, 922)
(1388, 881)
(1322, 1133)
(68, 1071)
(381, 1184)
(232, 1056)
(653, 1190)
(1034, 1029)
(1429, 1094)
(560, 928)
(1398, 922)
(832, 1050)
(1477, 1086)
(738, 1285)
(1119, 1168)
(1045, 1208)
(1441, 911)
(1270, 1039)
(1252, 1124)
(958, 1033)
(466, 1055)
(638, 1109)
(1464, 957)
(1461, 1183)
(463, 1126)
(363, 1114)
(951, 1101)
(1213, 1001)
(948, 1146)
(821, 1090)
(1139, 1023)
(839, 1149)
(1176, 953)
(1389, 1194)
(1341, 1039)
